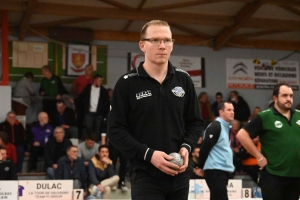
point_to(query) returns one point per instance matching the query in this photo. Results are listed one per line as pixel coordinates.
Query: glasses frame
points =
(151, 40)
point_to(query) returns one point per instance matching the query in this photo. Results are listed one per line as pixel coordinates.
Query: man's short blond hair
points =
(152, 23)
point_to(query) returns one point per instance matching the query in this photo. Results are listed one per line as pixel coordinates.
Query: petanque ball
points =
(177, 159)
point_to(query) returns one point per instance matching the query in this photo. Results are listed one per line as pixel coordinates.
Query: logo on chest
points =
(178, 91)
(278, 124)
(143, 94)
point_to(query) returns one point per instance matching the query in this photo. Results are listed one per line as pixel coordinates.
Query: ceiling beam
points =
(31, 4)
(112, 13)
(62, 22)
(265, 44)
(291, 9)
(140, 6)
(259, 33)
(203, 36)
(241, 18)
(118, 5)
(273, 24)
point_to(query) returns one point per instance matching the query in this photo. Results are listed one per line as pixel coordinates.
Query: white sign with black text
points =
(9, 190)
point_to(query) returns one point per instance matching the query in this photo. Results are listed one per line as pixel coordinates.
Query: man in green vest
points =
(279, 131)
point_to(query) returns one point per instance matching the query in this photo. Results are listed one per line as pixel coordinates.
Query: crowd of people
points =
(154, 111)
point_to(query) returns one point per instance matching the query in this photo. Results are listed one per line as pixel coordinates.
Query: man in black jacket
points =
(155, 112)
(95, 99)
(17, 136)
(7, 167)
(55, 148)
(71, 167)
(65, 117)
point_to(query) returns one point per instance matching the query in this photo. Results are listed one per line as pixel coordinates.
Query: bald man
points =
(40, 134)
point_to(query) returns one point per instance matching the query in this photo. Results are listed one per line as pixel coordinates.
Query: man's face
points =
(43, 118)
(157, 54)
(88, 70)
(204, 98)
(233, 97)
(60, 107)
(72, 153)
(196, 152)
(103, 153)
(98, 82)
(3, 154)
(219, 98)
(11, 118)
(227, 113)
(285, 98)
(59, 134)
(89, 143)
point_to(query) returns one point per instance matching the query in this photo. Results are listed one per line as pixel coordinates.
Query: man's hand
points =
(161, 161)
(86, 163)
(36, 144)
(198, 172)
(101, 188)
(54, 166)
(106, 160)
(64, 126)
(262, 162)
(26, 154)
(185, 155)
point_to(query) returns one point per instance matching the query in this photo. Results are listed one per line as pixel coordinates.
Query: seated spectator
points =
(16, 135)
(41, 132)
(256, 110)
(65, 117)
(54, 149)
(206, 112)
(101, 172)
(7, 167)
(88, 148)
(51, 89)
(235, 144)
(214, 105)
(193, 163)
(71, 167)
(250, 164)
(23, 93)
(11, 152)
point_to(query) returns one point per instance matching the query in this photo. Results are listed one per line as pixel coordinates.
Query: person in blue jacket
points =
(216, 157)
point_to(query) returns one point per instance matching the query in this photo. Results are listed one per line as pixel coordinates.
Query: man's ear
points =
(142, 46)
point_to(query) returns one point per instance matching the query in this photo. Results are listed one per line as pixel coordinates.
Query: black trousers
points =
(147, 187)
(114, 154)
(279, 188)
(217, 181)
(252, 171)
(35, 152)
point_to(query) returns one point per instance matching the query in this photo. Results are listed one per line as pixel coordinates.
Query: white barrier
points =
(9, 190)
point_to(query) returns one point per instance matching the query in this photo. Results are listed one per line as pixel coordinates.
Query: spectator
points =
(193, 163)
(11, 152)
(214, 105)
(23, 93)
(82, 81)
(16, 135)
(250, 164)
(7, 167)
(95, 99)
(205, 108)
(71, 167)
(256, 110)
(54, 149)
(101, 172)
(88, 148)
(241, 108)
(41, 132)
(65, 117)
(51, 89)
(235, 145)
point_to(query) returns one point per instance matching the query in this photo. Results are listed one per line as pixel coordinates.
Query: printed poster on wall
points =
(245, 74)
(78, 58)
(192, 65)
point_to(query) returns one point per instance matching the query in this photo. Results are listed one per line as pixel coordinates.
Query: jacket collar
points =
(141, 71)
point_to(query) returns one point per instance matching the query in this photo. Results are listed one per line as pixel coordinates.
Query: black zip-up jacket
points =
(16, 134)
(49, 151)
(66, 171)
(146, 116)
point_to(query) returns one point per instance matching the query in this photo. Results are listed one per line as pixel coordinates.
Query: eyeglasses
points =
(156, 41)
